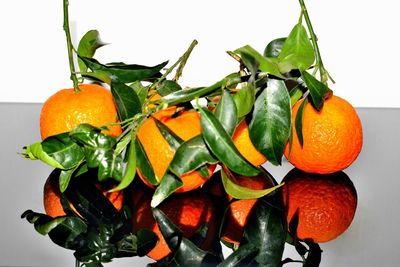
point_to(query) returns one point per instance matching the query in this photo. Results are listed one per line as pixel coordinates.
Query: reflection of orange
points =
(186, 125)
(332, 138)
(239, 210)
(241, 139)
(52, 195)
(66, 109)
(325, 204)
(189, 211)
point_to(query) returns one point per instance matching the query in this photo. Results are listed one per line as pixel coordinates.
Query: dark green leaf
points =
(191, 155)
(99, 151)
(189, 94)
(268, 65)
(167, 87)
(243, 256)
(318, 90)
(130, 168)
(222, 146)
(173, 140)
(168, 185)
(270, 126)
(226, 112)
(241, 192)
(122, 72)
(266, 230)
(140, 90)
(299, 121)
(87, 47)
(297, 51)
(64, 150)
(143, 164)
(127, 102)
(273, 49)
(295, 94)
(244, 99)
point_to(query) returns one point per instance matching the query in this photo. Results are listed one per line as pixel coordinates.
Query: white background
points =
(358, 40)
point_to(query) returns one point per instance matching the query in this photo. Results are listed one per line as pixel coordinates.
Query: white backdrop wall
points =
(358, 40)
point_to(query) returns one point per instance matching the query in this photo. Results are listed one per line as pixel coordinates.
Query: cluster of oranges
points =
(317, 193)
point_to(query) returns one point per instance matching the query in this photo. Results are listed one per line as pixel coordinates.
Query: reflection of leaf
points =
(243, 256)
(184, 252)
(244, 99)
(266, 230)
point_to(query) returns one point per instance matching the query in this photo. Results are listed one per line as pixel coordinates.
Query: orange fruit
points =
(239, 211)
(186, 125)
(325, 204)
(52, 195)
(66, 109)
(189, 211)
(332, 138)
(242, 141)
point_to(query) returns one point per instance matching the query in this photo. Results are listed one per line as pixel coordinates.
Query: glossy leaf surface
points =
(221, 145)
(270, 126)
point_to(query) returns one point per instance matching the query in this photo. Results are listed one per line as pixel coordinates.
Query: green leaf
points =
(168, 185)
(268, 65)
(124, 73)
(295, 94)
(87, 47)
(130, 168)
(270, 125)
(63, 149)
(140, 90)
(127, 101)
(190, 94)
(273, 49)
(143, 164)
(222, 146)
(318, 90)
(167, 87)
(299, 121)
(173, 140)
(191, 155)
(243, 256)
(66, 175)
(244, 99)
(99, 151)
(297, 51)
(241, 192)
(266, 230)
(226, 112)
(35, 152)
